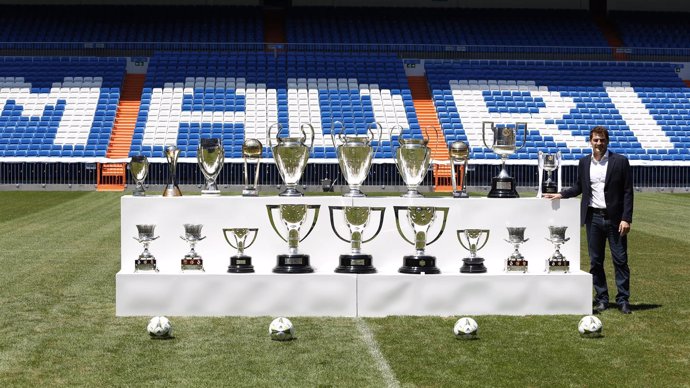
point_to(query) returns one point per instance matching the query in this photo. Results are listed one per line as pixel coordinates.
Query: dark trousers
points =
(600, 229)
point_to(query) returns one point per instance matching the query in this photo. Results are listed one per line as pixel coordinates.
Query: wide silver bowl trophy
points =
(171, 189)
(293, 217)
(412, 158)
(192, 260)
(237, 238)
(139, 169)
(549, 163)
(355, 154)
(146, 261)
(459, 153)
(420, 219)
(504, 145)
(251, 152)
(291, 155)
(516, 262)
(210, 155)
(473, 240)
(557, 262)
(357, 219)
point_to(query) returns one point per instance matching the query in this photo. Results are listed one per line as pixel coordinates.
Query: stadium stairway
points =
(612, 37)
(274, 26)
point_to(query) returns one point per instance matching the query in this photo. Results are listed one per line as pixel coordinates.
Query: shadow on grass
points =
(635, 306)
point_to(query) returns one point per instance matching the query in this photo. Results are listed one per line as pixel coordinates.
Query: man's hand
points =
(553, 196)
(624, 228)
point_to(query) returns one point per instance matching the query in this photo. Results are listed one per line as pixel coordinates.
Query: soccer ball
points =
(590, 326)
(281, 329)
(159, 327)
(465, 328)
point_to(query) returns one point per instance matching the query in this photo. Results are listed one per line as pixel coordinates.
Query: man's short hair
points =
(599, 130)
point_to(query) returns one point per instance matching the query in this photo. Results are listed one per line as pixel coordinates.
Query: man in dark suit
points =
(605, 182)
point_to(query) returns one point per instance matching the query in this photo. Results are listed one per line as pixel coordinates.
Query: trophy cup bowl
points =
(516, 262)
(139, 169)
(291, 155)
(355, 154)
(192, 260)
(473, 240)
(171, 189)
(357, 219)
(293, 217)
(251, 150)
(210, 156)
(549, 163)
(557, 262)
(459, 152)
(504, 145)
(146, 261)
(420, 220)
(240, 263)
(412, 158)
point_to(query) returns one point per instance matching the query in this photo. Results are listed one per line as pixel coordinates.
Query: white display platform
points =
(325, 293)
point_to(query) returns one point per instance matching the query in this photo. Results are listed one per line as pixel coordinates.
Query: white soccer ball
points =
(281, 329)
(590, 326)
(159, 327)
(465, 328)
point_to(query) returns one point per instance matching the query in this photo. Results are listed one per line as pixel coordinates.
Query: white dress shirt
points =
(597, 179)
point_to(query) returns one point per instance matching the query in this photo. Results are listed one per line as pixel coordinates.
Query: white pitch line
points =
(381, 363)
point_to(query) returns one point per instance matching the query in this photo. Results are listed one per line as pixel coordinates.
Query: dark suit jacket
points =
(618, 188)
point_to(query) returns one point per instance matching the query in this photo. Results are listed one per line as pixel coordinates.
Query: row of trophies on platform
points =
(354, 154)
(357, 219)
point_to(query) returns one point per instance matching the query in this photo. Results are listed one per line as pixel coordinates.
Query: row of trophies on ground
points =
(354, 154)
(357, 218)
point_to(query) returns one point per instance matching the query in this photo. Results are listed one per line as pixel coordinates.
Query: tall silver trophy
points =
(192, 260)
(251, 152)
(139, 169)
(459, 153)
(516, 262)
(240, 239)
(412, 158)
(291, 155)
(549, 163)
(420, 219)
(473, 240)
(357, 219)
(355, 154)
(504, 145)
(210, 155)
(293, 217)
(171, 189)
(146, 261)
(557, 262)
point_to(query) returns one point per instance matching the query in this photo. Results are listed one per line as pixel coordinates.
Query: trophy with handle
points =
(549, 163)
(412, 158)
(293, 217)
(516, 262)
(557, 262)
(171, 155)
(237, 238)
(251, 151)
(192, 260)
(139, 169)
(503, 144)
(291, 155)
(210, 155)
(146, 261)
(357, 219)
(473, 240)
(420, 219)
(354, 155)
(459, 153)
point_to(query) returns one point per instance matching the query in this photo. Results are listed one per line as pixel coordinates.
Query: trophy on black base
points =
(420, 220)
(475, 240)
(146, 261)
(354, 156)
(192, 260)
(503, 185)
(516, 262)
(210, 155)
(251, 151)
(293, 217)
(139, 168)
(412, 158)
(240, 263)
(291, 155)
(459, 153)
(356, 218)
(557, 262)
(549, 163)
(171, 189)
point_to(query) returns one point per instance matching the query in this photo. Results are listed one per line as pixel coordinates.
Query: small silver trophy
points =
(557, 262)
(357, 219)
(420, 220)
(354, 155)
(516, 262)
(240, 263)
(291, 155)
(171, 189)
(293, 217)
(192, 260)
(139, 169)
(251, 151)
(210, 155)
(146, 261)
(412, 158)
(504, 145)
(473, 240)
(549, 163)
(459, 153)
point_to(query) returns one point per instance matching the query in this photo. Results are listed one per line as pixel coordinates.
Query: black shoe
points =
(600, 306)
(624, 307)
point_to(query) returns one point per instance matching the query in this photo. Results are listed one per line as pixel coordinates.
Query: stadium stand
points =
(653, 29)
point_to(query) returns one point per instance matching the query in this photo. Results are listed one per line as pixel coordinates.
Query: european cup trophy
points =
(139, 169)
(420, 220)
(459, 153)
(504, 145)
(293, 217)
(171, 189)
(354, 155)
(192, 260)
(146, 261)
(549, 163)
(516, 262)
(412, 158)
(210, 155)
(291, 155)
(473, 240)
(251, 151)
(557, 262)
(357, 219)
(237, 238)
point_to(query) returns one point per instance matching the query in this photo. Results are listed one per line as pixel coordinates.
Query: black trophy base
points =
(240, 264)
(145, 265)
(355, 264)
(192, 264)
(473, 265)
(516, 265)
(558, 266)
(417, 264)
(549, 188)
(503, 188)
(295, 263)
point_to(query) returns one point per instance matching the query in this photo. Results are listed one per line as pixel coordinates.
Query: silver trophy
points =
(192, 260)
(412, 158)
(504, 145)
(171, 189)
(139, 169)
(516, 262)
(357, 219)
(473, 240)
(146, 261)
(459, 153)
(557, 262)
(237, 238)
(293, 217)
(420, 220)
(291, 155)
(251, 151)
(549, 163)
(354, 155)
(210, 155)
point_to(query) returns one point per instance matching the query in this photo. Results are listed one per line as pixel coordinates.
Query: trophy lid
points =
(252, 148)
(459, 150)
